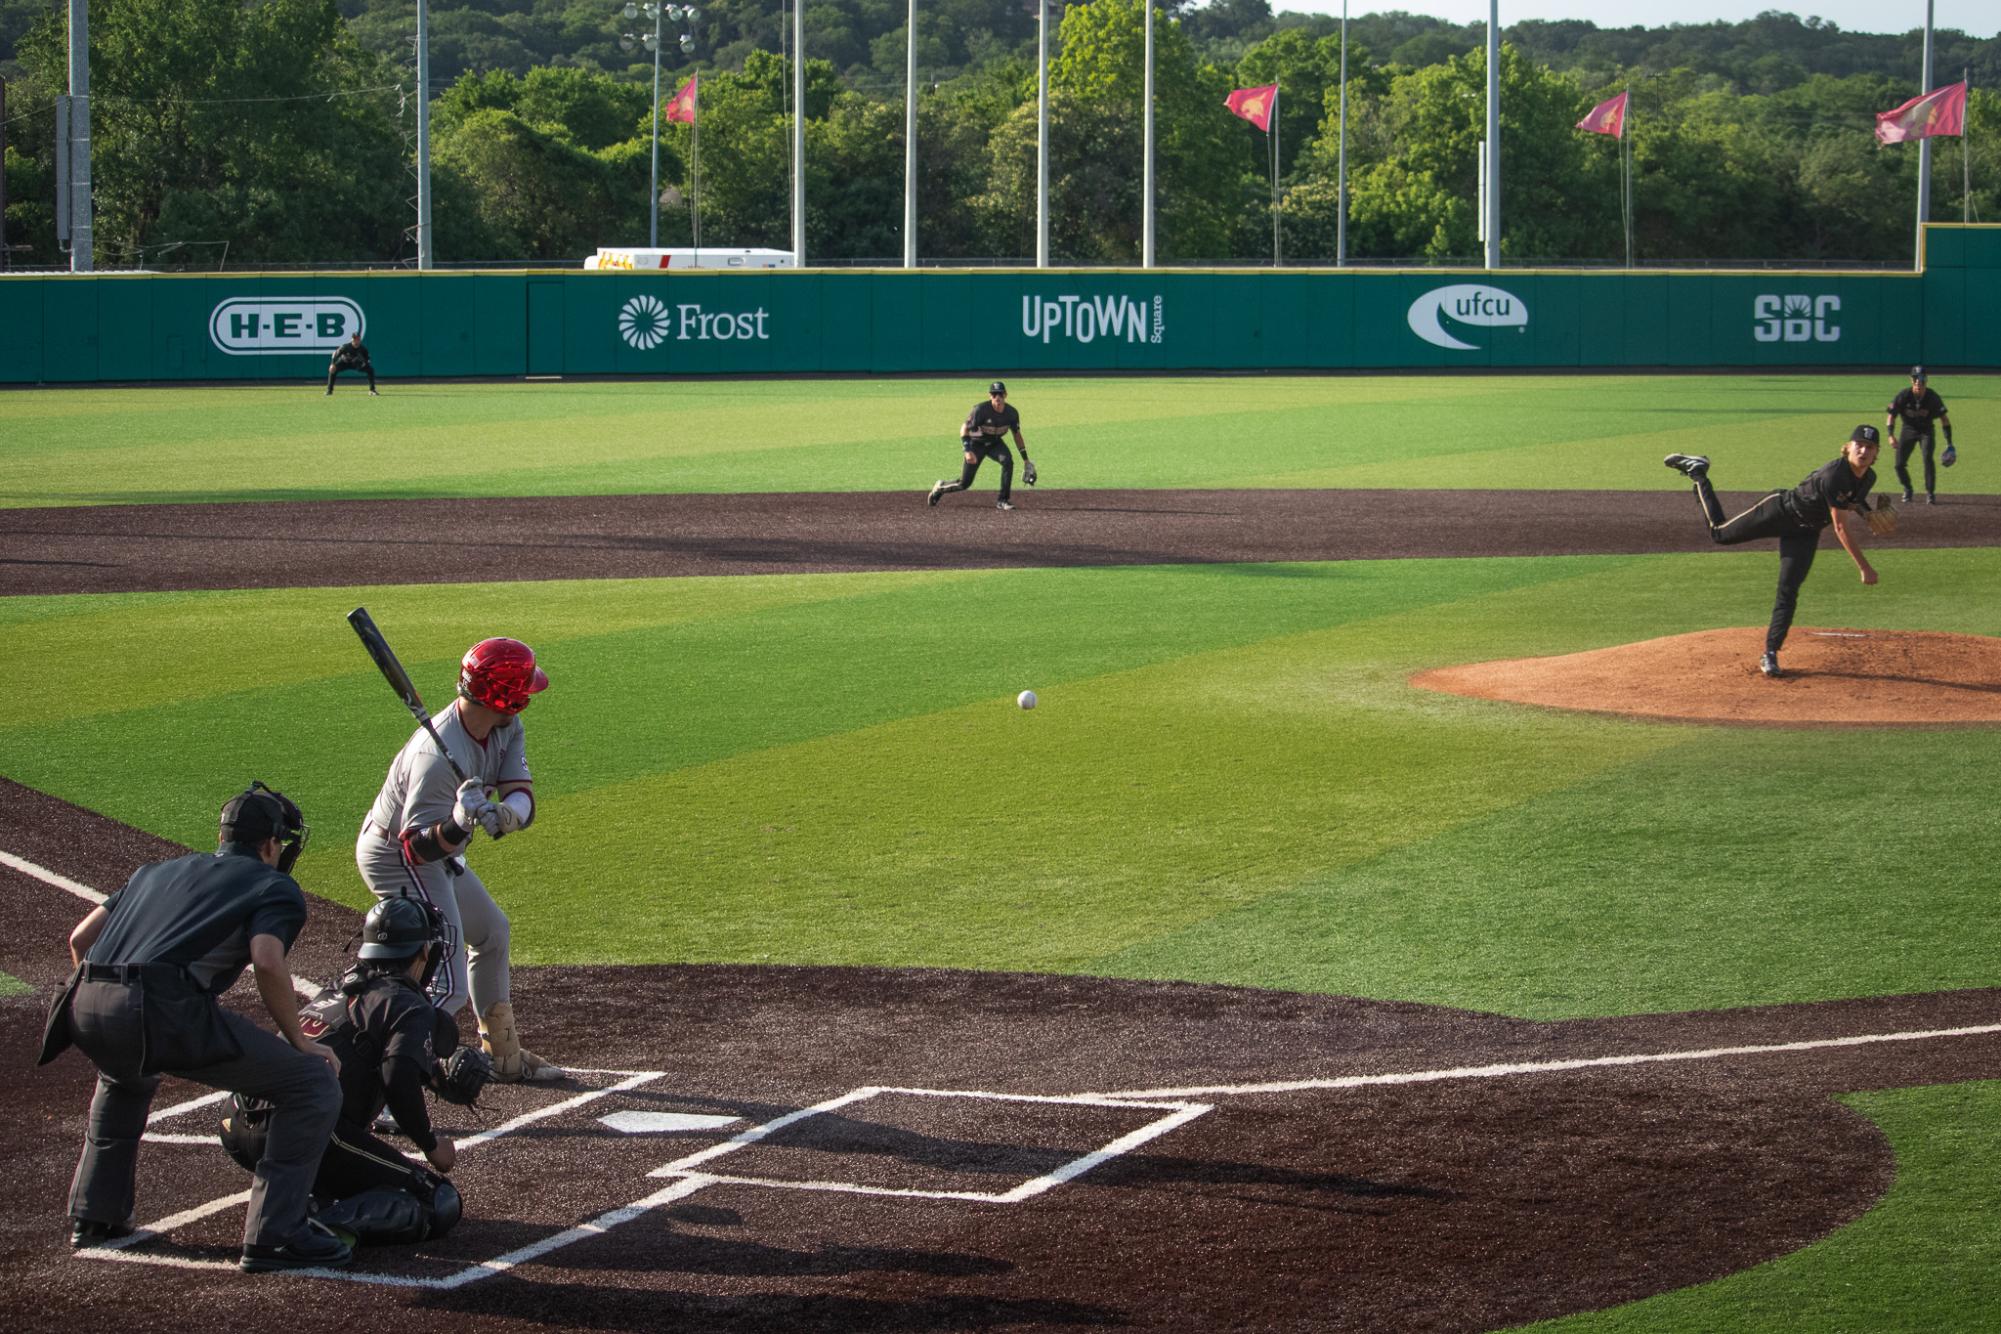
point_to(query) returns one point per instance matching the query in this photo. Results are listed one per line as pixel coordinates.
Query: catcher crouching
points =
(393, 1044)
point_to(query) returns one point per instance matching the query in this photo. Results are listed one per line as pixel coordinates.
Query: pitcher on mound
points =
(416, 835)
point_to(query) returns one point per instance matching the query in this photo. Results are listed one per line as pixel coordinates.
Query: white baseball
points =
(1026, 699)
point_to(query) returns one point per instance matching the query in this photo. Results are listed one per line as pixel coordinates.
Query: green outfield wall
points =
(57, 329)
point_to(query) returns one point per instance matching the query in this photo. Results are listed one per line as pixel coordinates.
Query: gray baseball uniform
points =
(418, 793)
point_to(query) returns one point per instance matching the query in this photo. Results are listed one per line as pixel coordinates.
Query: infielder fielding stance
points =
(980, 438)
(1796, 517)
(416, 835)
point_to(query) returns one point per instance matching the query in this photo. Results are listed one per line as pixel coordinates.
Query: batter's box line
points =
(121, 1249)
(1179, 1114)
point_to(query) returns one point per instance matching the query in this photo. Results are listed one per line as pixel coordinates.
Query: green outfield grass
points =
(137, 446)
(1228, 778)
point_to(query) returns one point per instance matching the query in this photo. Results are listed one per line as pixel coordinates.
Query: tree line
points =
(283, 132)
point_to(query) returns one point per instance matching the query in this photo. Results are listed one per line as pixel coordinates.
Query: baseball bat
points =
(399, 680)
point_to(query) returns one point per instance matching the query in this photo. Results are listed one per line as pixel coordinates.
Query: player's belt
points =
(128, 973)
(370, 827)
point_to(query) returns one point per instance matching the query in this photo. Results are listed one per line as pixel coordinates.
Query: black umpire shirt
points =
(351, 356)
(383, 1037)
(983, 423)
(1917, 412)
(1827, 488)
(199, 912)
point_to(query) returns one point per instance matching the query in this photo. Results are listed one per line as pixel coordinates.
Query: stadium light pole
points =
(80, 256)
(631, 41)
(425, 254)
(1492, 204)
(799, 134)
(1042, 137)
(1341, 190)
(1146, 227)
(910, 140)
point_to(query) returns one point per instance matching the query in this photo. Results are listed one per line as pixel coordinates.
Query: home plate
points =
(661, 1123)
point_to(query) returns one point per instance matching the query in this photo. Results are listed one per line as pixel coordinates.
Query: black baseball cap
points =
(1865, 434)
(1918, 374)
(998, 387)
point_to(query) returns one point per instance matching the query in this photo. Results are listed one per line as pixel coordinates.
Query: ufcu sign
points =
(269, 326)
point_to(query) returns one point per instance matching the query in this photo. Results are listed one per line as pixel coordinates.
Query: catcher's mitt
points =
(1028, 470)
(1883, 519)
(1951, 455)
(460, 1076)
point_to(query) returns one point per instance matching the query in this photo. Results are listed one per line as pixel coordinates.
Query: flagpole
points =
(1965, 155)
(1146, 188)
(1626, 181)
(695, 195)
(1275, 258)
(1341, 190)
(1924, 152)
(1493, 201)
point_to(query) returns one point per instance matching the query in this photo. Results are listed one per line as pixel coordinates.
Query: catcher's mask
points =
(400, 928)
(258, 813)
(501, 674)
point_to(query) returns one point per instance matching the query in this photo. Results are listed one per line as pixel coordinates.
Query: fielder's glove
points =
(1951, 455)
(1883, 519)
(1028, 470)
(460, 1077)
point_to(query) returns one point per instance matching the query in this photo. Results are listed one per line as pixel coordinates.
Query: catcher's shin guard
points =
(512, 1062)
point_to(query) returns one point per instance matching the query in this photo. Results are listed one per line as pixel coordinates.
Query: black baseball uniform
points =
(1796, 518)
(984, 436)
(385, 1031)
(1915, 414)
(351, 356)
(143, 1004)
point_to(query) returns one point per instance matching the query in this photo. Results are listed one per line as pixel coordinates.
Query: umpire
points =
(1917, 408)
(151, 961)
(980, 437)
(382, 1025)
(352, 356)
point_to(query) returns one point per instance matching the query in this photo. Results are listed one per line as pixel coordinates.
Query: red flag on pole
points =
(1607, 117)
(682, 108)
(1940, 111)
(1253, 104)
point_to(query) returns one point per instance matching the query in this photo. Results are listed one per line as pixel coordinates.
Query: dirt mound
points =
(1833, 678)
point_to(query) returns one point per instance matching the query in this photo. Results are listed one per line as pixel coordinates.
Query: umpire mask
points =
(258, 813)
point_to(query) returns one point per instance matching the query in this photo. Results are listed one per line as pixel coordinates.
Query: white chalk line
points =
(305, 986)
(1549, 1067)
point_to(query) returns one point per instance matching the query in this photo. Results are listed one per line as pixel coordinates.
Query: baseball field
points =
(1241, 983)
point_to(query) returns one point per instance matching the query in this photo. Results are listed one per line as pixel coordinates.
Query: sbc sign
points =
(1795, 319)
(274, 326)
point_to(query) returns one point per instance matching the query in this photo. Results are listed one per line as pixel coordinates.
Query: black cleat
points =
(85, 1232)
(317, 1247)
(937, 490)
(1769, 665)
(1690, 466)
(1907, 495)
(1930, 499)
(1003, 505)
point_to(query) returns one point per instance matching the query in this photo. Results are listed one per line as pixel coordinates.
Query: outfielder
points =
(980, 438)
(1795, 517)
(416, 835)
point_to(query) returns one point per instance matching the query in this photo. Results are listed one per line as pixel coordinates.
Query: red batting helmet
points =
(501, 674)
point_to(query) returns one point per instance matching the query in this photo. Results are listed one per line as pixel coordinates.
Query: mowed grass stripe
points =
(93, 446)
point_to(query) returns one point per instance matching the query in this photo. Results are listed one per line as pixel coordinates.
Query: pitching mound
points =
(1833, 678)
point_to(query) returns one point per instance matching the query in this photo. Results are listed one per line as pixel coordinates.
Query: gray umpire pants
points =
(107, 1022)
